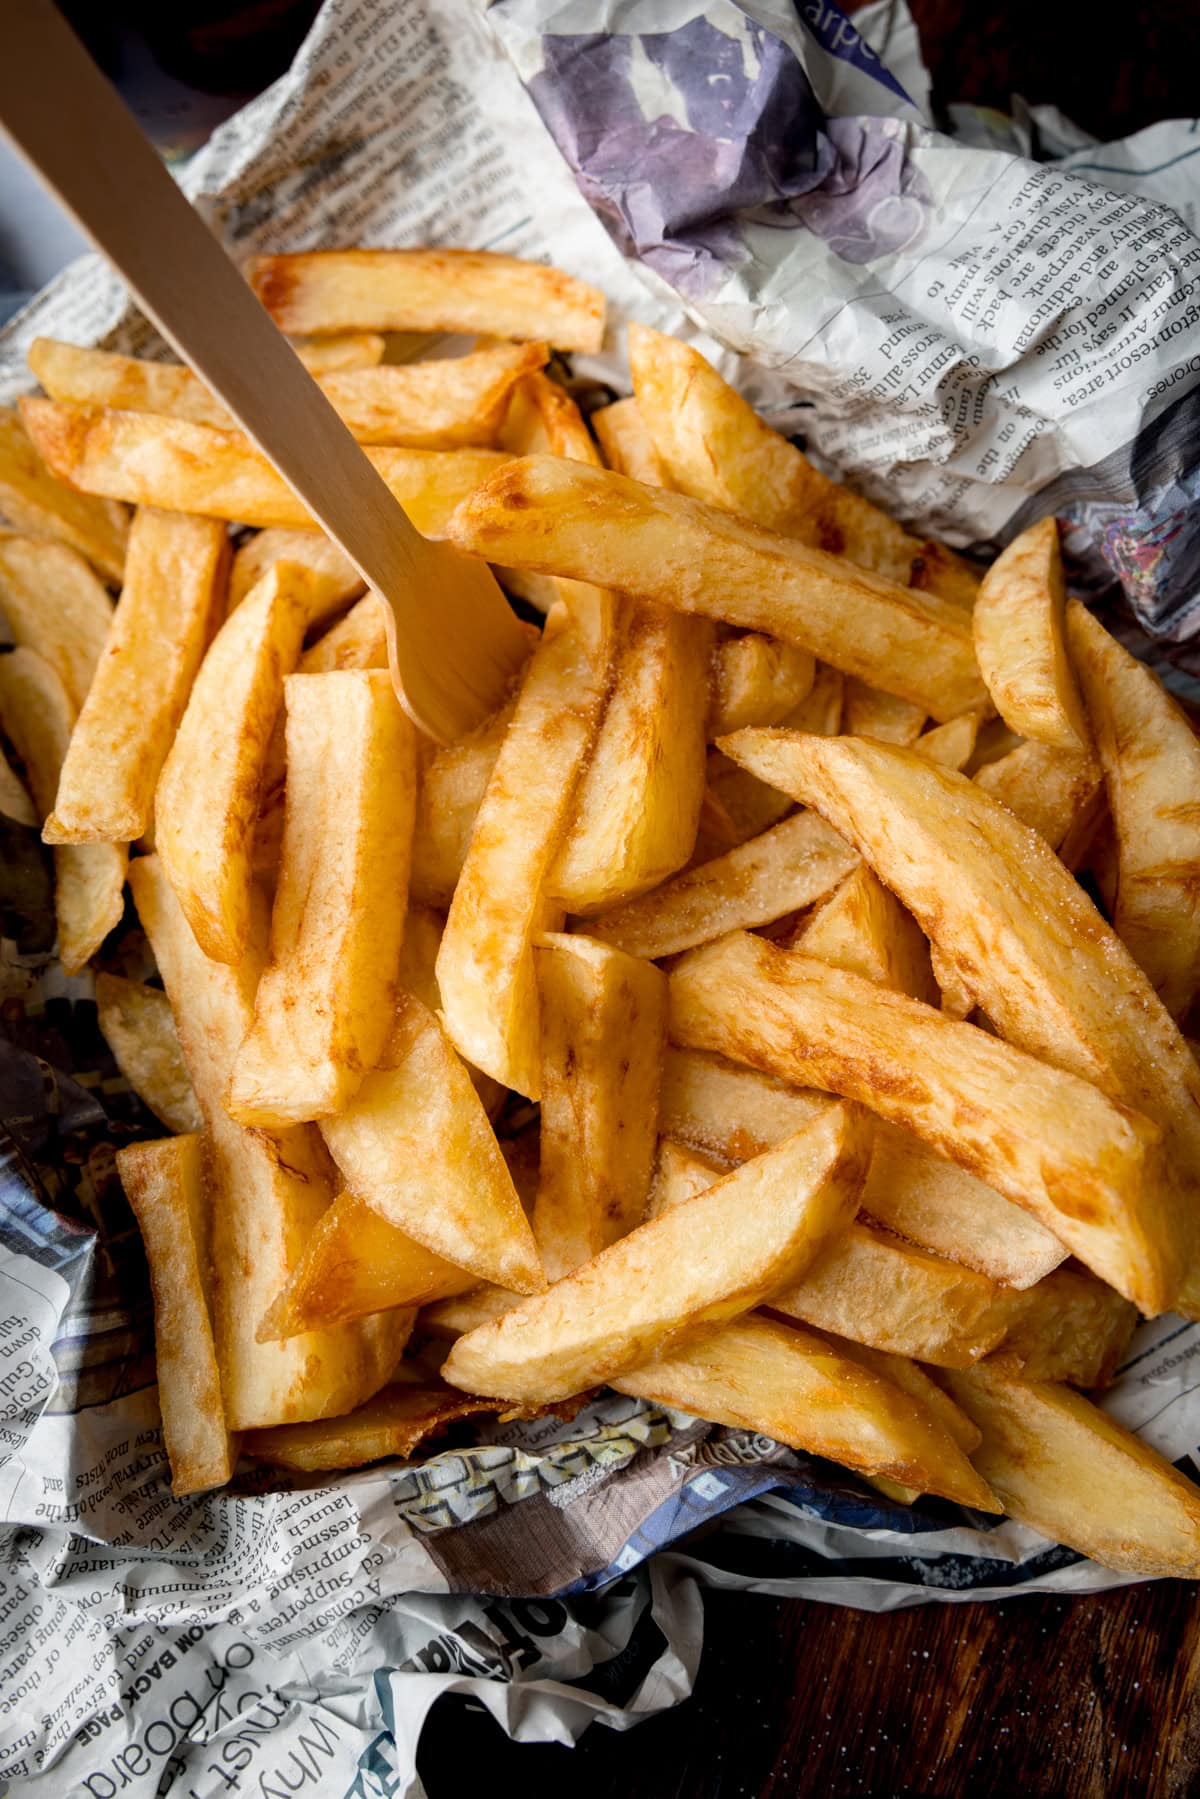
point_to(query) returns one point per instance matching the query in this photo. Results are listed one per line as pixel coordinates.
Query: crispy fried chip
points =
(34, 499)
(757, 681)
(1046, 788)
(393, 1423)
(450, 792)
(312, 550)
(54, 604)
(139, 1027)
(1020, 640)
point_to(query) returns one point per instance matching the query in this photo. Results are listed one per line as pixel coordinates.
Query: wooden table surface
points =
(1071, 1698)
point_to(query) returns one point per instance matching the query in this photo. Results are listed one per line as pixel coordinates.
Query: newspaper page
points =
(291, 1637)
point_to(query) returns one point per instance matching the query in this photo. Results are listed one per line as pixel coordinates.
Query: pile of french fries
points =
(777, 883)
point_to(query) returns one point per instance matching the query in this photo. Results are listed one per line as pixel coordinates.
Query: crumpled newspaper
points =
(961, 329)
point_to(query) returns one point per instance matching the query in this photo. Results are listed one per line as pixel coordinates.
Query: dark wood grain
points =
(1071, 1698)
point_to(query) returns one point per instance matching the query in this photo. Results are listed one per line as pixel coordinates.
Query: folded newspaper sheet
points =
(961, 330)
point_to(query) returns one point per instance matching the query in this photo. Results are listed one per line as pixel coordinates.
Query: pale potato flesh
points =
(1021, 937)
(207, 800)
(1151, 761)
(1020, 640)
(415, 1144)
(171, 603)
(344, 350)
(165, 1185)
(869, 712)
(139, 1027)
(428, 290)
(863, 927)
(1069, 1327)
(150, 460)
(54, 604)
(701, 1263)
(453, 781)
(952, 744)
(324, 1006)
(312, 550)
(1089, 1169)
(89, 878)
(485, 965)
(787, 867)
(1048, 789)
(757, 681)
(604, 1027)
(626, 444)
(268, 1193)
(564, 518)
(804, 1390)
(34, 499)
(1058, 1463)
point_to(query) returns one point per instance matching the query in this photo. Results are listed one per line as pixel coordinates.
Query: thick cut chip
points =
(207, 800)
(415, 1144)
(485, 965)
(426, 405)
(717, 448)
(863, 927)
(604, 1026)
(89, 878)
(1048, 789)
(868, 712)
(1151, 761)
(789, 866)
(1089, 1169)
(428, 290)
(312, 550)
(750, 804)
(1058, 1463)
(164, 1184)
(1018, 933)
(542, 416)
(679, 1174)
(449, 794)
(393, 1423)
(346, 350)
(635, 812)
(150, 460)
(701, 1263)
(34, 499)
(815, 1395)
(359, 640)
(1069, 1327)
(952, 744)
(564, 518)
(757, 681)
(139, 1027)
(268, 1192)
(173, 596)
(727, 1111)
(626, 444)
(55, 605)
(324, 1007)
(356, 1263)
(1020, 640)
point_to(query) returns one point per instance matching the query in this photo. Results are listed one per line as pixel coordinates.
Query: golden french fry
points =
(905, 1373)
(1048, 789)
(1058, 1463)
(268, 1193)
(1089, 1169)
(757, 681)
(542, 416)
(164, 1184)
(415, 1144)
(1020, 640)
(346, 350)
(863, 927)
(564, 518)
(312, 550)
(324, 1007)
(701, 1263)
(426, 405)
(393, 1423)
(636, 808)
(952, 744)
(15, 803)
(1151, 761)
(679, 1174)
(626, 444)
(715, 447)
(1020, 936)
(56, 606)
(35, 500)
(89, 878)
(787, 867)
(867, 712)
(207, 798)
(139, 1028)
(428, 290)
(359, 640)
(485, 966)
(1070, 1327)
(604, 1026)
(727, 1111)
(173, 596)
(151, 460)
(356, 1263)
(751, 804)
(450, 792)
